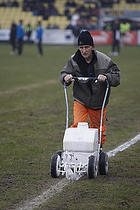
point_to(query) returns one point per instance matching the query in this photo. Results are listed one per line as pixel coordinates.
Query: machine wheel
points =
(59, 152)
(103, 163)
(55, 165)
(92, 167)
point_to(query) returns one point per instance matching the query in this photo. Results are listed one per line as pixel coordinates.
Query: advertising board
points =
(66, 37)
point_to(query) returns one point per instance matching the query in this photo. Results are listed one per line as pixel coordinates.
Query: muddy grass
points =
(32, 124)
(119, 189)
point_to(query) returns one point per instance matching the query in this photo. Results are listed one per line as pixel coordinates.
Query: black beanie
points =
(85, 38)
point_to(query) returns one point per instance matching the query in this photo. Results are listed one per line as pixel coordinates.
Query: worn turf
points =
(32, 124)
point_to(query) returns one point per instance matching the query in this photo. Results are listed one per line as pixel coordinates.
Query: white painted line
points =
(124, 146)
(39, 200)
(45, 195)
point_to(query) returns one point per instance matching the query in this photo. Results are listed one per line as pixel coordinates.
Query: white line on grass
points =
(124, 146)
(39, 200)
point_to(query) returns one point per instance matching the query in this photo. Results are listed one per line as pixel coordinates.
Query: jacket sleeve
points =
(113, 74)
(68, 69)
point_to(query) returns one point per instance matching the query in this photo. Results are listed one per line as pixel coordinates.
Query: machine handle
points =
(86, 79)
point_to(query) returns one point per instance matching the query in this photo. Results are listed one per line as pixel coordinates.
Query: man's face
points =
(86, 50)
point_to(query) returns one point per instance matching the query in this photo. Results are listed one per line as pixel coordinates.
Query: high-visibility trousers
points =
(81, 114)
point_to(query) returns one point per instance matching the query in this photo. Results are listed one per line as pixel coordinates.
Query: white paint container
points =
(80, 139)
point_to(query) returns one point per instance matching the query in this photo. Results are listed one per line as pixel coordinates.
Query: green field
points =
(32, 125)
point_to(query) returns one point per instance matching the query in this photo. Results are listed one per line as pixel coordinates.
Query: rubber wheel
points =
(103, 163)
(55, 166)
(59, 152)
(92, 167)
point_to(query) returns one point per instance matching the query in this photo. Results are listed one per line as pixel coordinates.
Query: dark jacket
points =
(81, 91)
(13, 32)
(115, 30)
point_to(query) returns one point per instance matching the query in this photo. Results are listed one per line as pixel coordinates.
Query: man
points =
(19, 36)
(28, 30)
(39, 37)
(76, 30)
(13, 37)
(116, 38)
(88, 98)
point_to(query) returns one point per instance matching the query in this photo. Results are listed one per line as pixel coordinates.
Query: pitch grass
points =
(32, 124)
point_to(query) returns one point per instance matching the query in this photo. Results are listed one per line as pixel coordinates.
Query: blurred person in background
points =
(8, 3)
(39, 33)
(28, 30)
(70, 3)
(91, 25)
(19, 36)
(88, 97)
(124, 27)
(13, 37)
(76, 30)
(116, 38)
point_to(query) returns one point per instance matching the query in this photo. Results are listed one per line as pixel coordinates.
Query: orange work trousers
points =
(81, 113)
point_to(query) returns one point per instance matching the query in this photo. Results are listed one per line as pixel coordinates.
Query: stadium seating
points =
(7, 14)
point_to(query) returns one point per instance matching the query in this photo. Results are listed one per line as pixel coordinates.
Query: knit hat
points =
(85, 38)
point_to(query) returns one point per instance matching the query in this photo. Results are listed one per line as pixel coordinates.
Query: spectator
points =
(19, 36)
(133, 26)
(116, 38)
(39, 33)
(80, 9)
(70, 3)
(70, 26)
(49, 26)
(76, 30)
(13, 37)
(53, 10)
(49, 1)
(46, 13)
(91, 25)
(106, 3)
(124, 27)
(3, 4)
(74, 19)
(55, 26)
(25, 5)
(67, 13)
(15, 4)
(41, 10)
(28, 30)
(138, 26)
(9, 3)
